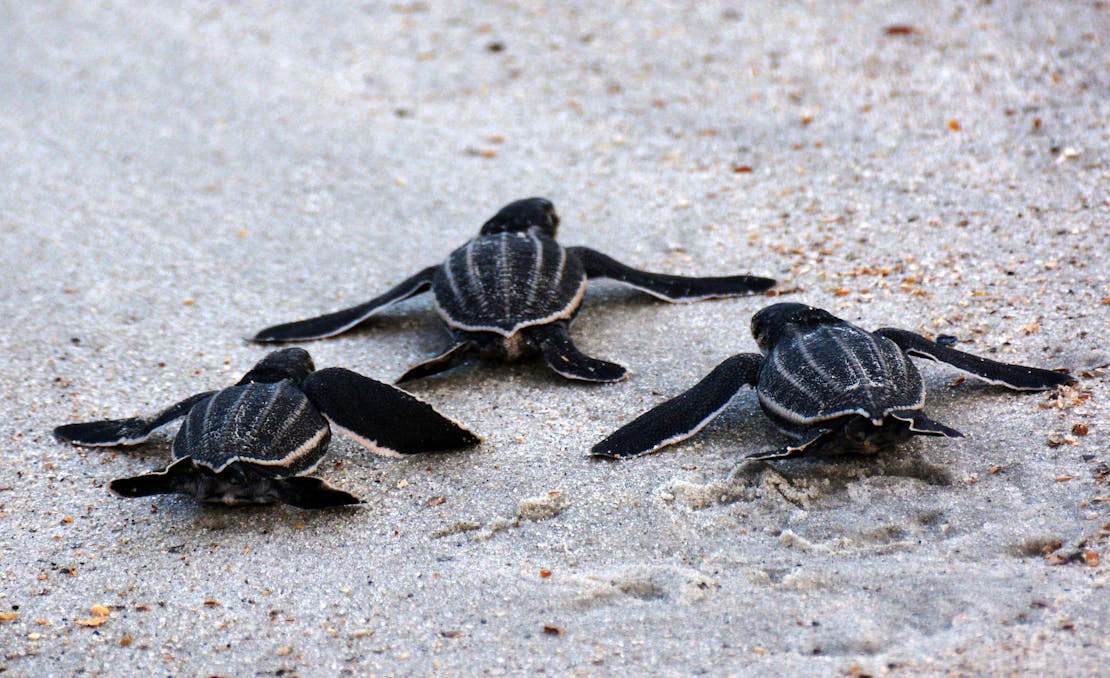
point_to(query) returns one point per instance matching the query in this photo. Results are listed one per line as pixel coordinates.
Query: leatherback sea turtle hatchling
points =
(821, 379)
(256, 441)
(513, 291)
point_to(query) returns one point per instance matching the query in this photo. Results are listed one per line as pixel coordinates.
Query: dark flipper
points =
(335, 323)
(125, 431)
(922, 425)
(565, 358)
(1017, 377)
(682, 416)
(674, 288)
(797, 449)
(178, 477)
(310, 493)
(384, 419)
(452, 357)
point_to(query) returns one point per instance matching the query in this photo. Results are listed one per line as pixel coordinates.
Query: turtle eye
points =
(759, 333)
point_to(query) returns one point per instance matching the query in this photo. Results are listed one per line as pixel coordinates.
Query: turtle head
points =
(773, 323)
(288, 363)
(524, 215)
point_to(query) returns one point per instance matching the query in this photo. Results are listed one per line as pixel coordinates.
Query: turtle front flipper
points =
(335, 323)
(310, 493)
(133, 431)
(180, 477)
(382, 418)
(797, 449)
(673, 288)
(451, 358)
(681, 417)
(1017, 377)
(564, 357)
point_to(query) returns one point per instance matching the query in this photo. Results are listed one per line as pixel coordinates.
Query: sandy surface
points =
(173, 179)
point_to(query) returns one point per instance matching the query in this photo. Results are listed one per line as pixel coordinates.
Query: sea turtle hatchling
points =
(512, 292)
(256, 441)
(821, 379)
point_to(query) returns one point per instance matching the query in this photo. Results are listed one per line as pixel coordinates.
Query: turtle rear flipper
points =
(564, 357)
(336, 323)
(180, 477)
(449, 359)
(682, 416)
(310, 493)
(383, 418)
(673, 288)
(1017, 377)
(125, 431)
(922, 425)
(797, 449)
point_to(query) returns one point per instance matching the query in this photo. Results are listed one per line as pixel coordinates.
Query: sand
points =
(176, 176)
